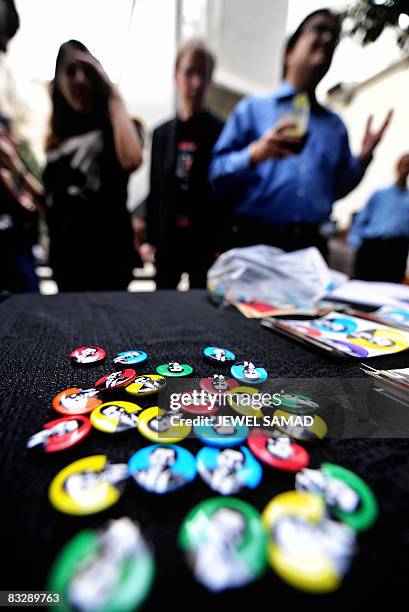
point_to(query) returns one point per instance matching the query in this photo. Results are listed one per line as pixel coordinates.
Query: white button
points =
(301, 192)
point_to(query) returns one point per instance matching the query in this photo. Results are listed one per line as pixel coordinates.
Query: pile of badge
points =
(308, 535)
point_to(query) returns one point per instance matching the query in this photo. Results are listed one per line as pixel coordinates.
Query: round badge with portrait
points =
(228, 470)
(160, 426)
(120, 379)
(197, 402)
(347, 496)
(76, 401)
(129, 358)
(247, 372)
(306, 549)
(174, 369)
(277, 450)
(60, 434)
(146, 385)
(224, 543)
(107, 569)
(221, 433)
(299, 403)
(88, 355)
(382, 338)
(218, 384)
(245, 401)
(88, 485)
(219, 355)
(288, 424)
(115, 417)
(162, 468)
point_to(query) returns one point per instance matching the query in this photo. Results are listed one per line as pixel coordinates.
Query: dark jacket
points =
(209, 215)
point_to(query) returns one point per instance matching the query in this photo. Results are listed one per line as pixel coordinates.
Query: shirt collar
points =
(284, 90)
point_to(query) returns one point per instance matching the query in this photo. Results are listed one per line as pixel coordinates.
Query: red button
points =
(116, 380)
(277, 450)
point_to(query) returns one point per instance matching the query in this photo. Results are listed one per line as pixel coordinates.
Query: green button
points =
(225, 543)
(174, 369)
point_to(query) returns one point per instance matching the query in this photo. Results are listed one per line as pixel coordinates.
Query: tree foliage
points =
(366, 19)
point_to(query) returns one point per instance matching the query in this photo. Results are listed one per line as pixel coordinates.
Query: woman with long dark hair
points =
(92, 147)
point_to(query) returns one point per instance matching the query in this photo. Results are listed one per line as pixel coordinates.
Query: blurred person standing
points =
(380, 231)
(21, 193)
(92, 147)
(285, 185)
(184, 220)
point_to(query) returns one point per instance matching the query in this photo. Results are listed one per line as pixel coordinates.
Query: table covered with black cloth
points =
(37, 334)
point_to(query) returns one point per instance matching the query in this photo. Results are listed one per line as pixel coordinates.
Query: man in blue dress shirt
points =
(283, 197)
(380, 231)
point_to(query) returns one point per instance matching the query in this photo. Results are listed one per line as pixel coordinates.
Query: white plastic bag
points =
(270, 275)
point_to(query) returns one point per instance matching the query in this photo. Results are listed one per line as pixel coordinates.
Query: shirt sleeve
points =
(231, 163)
(350, 170)
(361, 221)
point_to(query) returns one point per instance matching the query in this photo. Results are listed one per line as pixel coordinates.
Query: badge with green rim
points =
(224, 542)
(347, 495)
(298, 403)
(174, 369)
(109, 570)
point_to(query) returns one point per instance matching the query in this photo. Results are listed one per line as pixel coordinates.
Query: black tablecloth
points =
(37, 334)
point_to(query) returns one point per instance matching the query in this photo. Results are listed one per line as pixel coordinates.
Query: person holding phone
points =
(92, 148)
(285, 182)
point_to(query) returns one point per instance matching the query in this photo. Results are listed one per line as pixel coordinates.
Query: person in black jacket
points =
(184, 220)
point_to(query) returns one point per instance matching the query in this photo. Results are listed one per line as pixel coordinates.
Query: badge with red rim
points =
(200, 404)
(76, 401)
(277, 450)
(119, 379)
(218, 384)
(88, 355)
(60, 434)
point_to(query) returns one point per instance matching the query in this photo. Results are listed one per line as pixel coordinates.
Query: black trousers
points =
(289, 237)
(181, 252)
(380, 259)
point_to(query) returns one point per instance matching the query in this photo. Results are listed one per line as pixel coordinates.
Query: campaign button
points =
(221, 433)
(277, 450)
(196, 402)
(76, 401)
(120, 379)
(228, 470)
(130, 358)
(146, 385)
(247, 372)
(88, 355)
(346, 494)
(292, 425)
(216, 354)
(245, 401)
(115, 417)
(164, 427)
(297, 402)
(162, 468)
(306, 549)
(60, 434)
(224, 543)
(110, 568)
(218, 384)
(174, 369)
(88, 485)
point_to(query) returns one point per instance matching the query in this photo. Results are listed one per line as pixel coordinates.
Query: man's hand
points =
(147, 252)
(275, 144)
(8, 156)
(372, 138)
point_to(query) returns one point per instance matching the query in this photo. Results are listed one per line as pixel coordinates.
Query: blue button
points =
(218, 354)
(228, 470)
(130, 358)
(247, 372)
(221, 433)
(162, 468)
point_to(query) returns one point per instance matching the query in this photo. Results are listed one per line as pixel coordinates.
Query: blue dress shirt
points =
(386, 215)
(300, 188)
